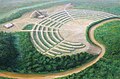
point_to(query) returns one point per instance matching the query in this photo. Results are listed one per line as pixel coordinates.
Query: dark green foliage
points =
(34, 62)
(5, 78)
(109, 34)
(109, 66)
(95, 23)
(31, 61)
(8, 52)
(28, 27)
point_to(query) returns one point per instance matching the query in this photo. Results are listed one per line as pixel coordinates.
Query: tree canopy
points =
(8, 51)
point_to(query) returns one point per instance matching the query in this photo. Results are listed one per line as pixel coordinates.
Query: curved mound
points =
(63, 33)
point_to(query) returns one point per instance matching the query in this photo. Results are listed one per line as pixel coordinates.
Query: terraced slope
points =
(47, 39)
(43, 45)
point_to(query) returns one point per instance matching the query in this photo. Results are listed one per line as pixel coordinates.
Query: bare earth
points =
(75, 31)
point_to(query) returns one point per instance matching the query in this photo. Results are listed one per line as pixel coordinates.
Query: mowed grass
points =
(107, 67)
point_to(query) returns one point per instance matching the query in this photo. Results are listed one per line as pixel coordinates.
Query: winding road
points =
(69, 72)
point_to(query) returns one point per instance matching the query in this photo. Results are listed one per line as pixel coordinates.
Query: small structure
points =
(39, 14)
(9, 25)
(69, 6)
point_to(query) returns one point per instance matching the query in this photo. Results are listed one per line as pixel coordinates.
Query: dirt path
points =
(69, 72)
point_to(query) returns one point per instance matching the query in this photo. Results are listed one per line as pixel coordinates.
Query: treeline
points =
(108, 34)
(95, 23)
(109, 66)
(106, 68)
(8, 52)
(30, 60)
(34, 62)
(13, 16)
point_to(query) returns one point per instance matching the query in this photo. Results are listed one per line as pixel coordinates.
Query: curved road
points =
(69, 72)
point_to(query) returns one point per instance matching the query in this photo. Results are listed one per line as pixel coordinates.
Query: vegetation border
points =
(93, 24)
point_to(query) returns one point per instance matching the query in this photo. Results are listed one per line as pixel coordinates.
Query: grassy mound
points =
(28, 27)
(108, 67)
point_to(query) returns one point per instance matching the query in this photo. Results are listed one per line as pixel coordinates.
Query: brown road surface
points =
(69, 72)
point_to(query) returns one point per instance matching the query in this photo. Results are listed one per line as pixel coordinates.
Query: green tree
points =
(8, 51)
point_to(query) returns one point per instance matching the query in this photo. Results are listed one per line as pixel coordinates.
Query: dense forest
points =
(31, 61)
(107, 67)
(5, 78)
(8, 52)
(34, 62)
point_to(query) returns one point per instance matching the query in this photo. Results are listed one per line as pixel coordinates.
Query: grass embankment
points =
(108, 67)
(28, 27)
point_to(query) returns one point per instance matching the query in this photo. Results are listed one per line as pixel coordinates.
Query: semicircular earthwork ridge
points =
(63, 32)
